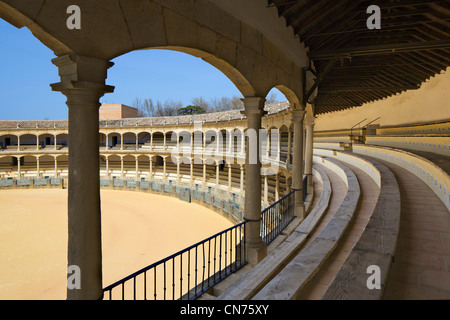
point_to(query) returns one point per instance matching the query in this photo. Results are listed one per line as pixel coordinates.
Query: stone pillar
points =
(83, 83)
(107, 166)
(256, 248)
(277, 188)
(297, 163)
(191, 182)
(121, 141)
(217, 173)
(137, 168)
(56, 167)
(54, 137)
(309, 151)
(266, 190)
(229, 177)
(150, 169)
(204, 175)
(18, 143)
(18, 167)
(37, 142)
(178, 171)
(242, 180)
(164, 169)
(121, 166)
(37, 167)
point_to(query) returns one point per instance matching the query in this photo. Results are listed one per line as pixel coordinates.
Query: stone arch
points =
(249, 57)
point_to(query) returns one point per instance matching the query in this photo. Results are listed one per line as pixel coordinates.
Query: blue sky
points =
(26, 73)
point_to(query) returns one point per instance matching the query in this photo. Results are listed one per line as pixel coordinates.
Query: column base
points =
(256, 253)
(299, 211)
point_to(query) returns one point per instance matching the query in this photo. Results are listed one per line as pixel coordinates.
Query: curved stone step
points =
(257, 277)
(375, 248)
(289, 281)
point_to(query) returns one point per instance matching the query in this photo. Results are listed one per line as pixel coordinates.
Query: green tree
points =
(189, 110)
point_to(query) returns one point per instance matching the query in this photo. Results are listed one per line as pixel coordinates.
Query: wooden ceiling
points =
(355, 65)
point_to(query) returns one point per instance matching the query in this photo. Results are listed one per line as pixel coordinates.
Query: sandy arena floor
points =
(138, 229)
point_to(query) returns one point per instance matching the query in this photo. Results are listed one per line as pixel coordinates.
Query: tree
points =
(145, 108)
(189, 110)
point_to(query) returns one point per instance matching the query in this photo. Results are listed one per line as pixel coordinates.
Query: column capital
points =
(309, 121)
(298, 115)
(82, 75)
(254, 106)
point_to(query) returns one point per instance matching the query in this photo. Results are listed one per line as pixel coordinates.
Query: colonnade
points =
(83, 83)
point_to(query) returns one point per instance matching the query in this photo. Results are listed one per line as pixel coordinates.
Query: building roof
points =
(355, 65)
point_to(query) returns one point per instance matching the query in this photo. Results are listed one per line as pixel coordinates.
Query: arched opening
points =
(9, 142)
(62, 141)
(114, 163)
(144, 140)
(47, 166)
(114, 140)
(47, 141)
(62, 162)
(6, 166)
(129, 141)
(129, 167)
(158, 140)
(284, 143)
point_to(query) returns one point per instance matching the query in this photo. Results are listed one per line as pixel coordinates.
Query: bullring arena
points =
(340, 193)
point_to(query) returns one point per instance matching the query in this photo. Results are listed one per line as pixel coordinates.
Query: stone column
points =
(137, 167)
(204, 176)
(242, 179)
(150, 169)
(164, 169)
(178, 171)
(297, 162)
(229, 177)
(54, 137)
(266, 190)
(121, 166)
(191, 181)
(277, 188)
(18, 143)
(121, 141)
(309, 151)
(37, 142)
(18, 167)
(256, 248)
(37, 167)
(107, 166)
(83, 83)
(56, 167)
(217, 173)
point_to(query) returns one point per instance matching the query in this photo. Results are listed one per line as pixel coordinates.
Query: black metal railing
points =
(186, 274)
(276, 217)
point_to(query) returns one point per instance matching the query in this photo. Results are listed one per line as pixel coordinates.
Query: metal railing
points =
(276, 217)
(186, 274)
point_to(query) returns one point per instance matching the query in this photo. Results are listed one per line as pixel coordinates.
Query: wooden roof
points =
(355, 65)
